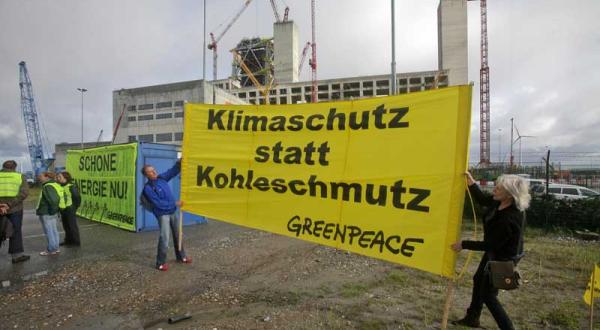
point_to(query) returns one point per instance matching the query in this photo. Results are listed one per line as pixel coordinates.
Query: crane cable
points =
(461, 273)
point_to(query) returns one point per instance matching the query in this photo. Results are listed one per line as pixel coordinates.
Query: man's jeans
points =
(49, 225)
(168, 224)
(15, 243)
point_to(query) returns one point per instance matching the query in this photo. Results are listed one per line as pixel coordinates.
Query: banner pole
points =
(180, 236)
(592, 289)
(449, 291)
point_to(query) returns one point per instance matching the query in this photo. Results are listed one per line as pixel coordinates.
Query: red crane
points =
(276, 12)
(313, 59)
(484, 92)
(303, 56)
(213, 44)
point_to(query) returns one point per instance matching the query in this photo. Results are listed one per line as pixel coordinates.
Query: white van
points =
(566, 191)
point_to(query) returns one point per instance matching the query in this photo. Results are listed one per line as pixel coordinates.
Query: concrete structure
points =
(344, 88)
(285, 35)
(452, 40)
(60, 151)
(155, 113)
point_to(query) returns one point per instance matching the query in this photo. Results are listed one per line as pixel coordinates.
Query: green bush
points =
(570, 214)
(552, 213)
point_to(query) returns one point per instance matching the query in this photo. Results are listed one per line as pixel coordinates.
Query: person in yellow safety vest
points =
(13, 191)
(49, 204)
(68, 215)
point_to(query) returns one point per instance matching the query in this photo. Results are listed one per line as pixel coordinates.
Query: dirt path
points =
(247, 279)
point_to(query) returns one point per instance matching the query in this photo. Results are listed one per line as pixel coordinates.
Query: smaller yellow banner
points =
(587, 296)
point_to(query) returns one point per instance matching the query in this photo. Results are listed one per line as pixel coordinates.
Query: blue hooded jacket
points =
(159, 193)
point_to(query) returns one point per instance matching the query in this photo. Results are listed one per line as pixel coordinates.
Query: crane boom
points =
(303, 56)
(38, 154)
(214, 41)
(275, 11)
(264, 89)
(313, 59)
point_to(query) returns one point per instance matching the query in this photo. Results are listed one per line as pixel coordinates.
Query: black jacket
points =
(501, 228)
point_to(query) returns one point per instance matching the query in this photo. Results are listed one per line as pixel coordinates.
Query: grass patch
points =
(372, 324)
(566, 316)
(351, 290)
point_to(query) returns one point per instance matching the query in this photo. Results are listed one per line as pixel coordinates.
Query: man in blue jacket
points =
(164, 207)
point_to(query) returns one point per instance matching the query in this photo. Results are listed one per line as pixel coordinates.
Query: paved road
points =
(98, 242)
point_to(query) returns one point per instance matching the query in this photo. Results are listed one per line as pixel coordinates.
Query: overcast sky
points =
(544, 58)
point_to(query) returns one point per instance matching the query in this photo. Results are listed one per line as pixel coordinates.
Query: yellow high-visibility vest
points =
(60, 191)
(68, 195)
(10, 182)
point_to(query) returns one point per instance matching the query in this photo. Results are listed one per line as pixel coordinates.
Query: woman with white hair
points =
(502, 226)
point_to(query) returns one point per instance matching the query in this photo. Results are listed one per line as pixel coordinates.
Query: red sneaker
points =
(163, 267)
(186, 260)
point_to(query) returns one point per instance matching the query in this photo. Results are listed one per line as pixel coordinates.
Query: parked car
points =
(566, 191)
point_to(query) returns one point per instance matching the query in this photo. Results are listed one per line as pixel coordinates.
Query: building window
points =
(160, 105)
(132, 138)
(352, 94)
(178, 136)
(131, 118)
(402, 81)
(164, 137)
(146, 138)
(164, 116)
(252, 94)
(335, 86)
(273, 92)
(353, 85)
(179, 114)
(242, 95)
(178, 103)
(145, 117)
(323, 96)
(146, 106)
(323, 88)
(131, 108)
(272, 100)
(296, 99)
(383, 83)
(368, 92)
(283, 100)
(282, 91)
(415, 89)
(296, 90)
(367, 84)
(383, 91)
(415, 80)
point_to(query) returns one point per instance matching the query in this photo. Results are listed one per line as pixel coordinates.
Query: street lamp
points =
(82, 90)
(500, 145)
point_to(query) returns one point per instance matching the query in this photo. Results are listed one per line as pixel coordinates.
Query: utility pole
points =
(512, 128)
(393, 78)
(82, 90)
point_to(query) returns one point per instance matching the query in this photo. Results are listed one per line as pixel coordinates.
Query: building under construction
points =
(155, 113)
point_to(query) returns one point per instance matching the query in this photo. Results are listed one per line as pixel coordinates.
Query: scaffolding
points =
(257, 55)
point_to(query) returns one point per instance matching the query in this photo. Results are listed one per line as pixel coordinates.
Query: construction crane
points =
(264, 89)
(39, 154)
(276, 12)
(303, 56)
(484, 92)
(214, 41)
(313, 59)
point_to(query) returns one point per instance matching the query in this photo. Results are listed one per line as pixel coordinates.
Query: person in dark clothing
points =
(164, 207)
(48, 206)
(13, 191)
(68, 215)
(502, 226)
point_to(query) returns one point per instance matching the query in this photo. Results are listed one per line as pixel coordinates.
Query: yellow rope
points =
(470, 255)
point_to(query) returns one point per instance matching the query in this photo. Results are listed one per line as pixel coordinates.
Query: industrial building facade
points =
(155, 113)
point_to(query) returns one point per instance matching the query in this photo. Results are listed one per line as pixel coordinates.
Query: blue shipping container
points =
(162, 157)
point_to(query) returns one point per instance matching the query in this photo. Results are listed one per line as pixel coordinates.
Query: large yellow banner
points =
(383, 177)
